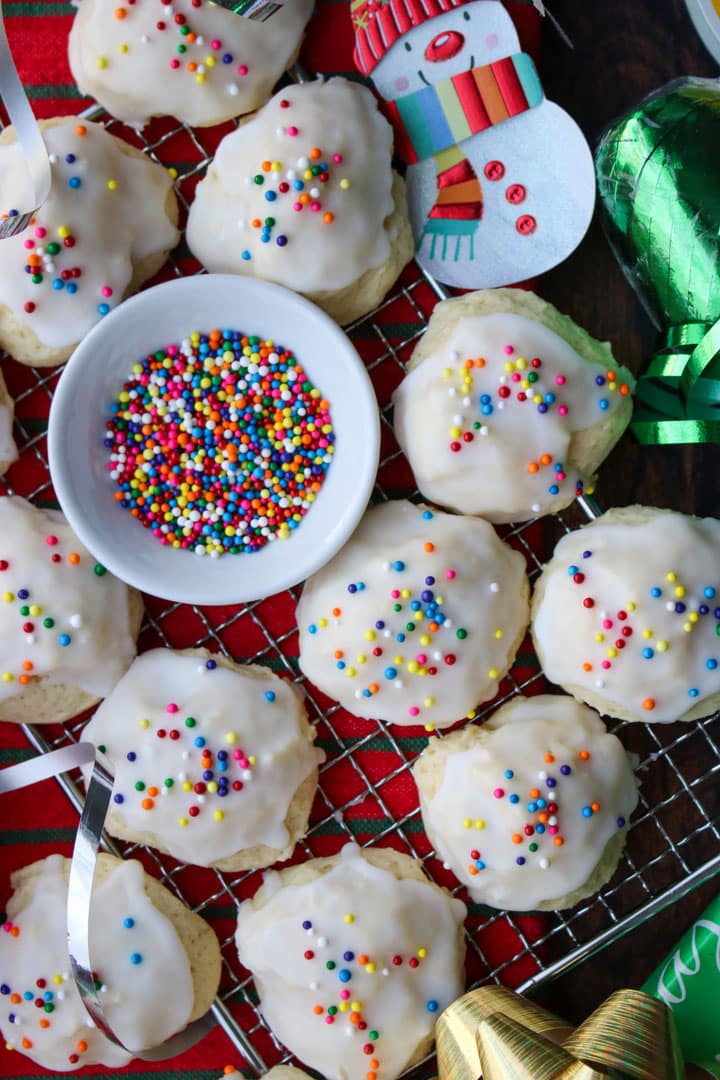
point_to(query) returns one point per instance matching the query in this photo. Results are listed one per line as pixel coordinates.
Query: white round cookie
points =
(626, 615)
(362, 938)
(213, 761)
(508, 407)
(417, 618)
(304, 194)
(193, 60)
(530, 810)
(67, 627)
(158, 963)
(8, 449)
(108, 225)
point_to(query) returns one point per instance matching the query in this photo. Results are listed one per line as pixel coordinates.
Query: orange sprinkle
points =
(229, 1070)
(374, 1064)
(371, 1076)
(543, 818)
(558, 841)
(373, 688)
(153, 791)
(473, 870)
(517, 838)
(318, 1010)
(584, 755)
(82, 1046)
(587, 666)
(304, 199)
(147, 804)
(24, 680)
(480, 362)
(192, 66)
(15, 999)
(120, 13)
(266, 166)
(328, 218)
(429, 547)
(191, 37)
(534, 793)
(44, 1023)
(649, 704)
(595, 807)
(363, 959)
(549, 758)
(337, 611)
(315, 153)
(433, 627)
(28, 665)
(354, 1018)
(612, 376)
(469, 363)
(624, 389)
(533, 467)
(27, 1044)
(73, 558)
(546, 459)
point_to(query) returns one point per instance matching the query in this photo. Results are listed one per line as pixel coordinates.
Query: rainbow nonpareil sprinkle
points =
(219, 444)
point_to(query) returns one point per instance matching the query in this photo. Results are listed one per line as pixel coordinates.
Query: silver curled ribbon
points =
(32, 144)
(82, 873)
(261, 10)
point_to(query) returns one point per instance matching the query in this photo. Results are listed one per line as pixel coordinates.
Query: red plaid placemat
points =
(366, 764)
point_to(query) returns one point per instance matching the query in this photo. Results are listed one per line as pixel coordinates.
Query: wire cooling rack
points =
(365, 786)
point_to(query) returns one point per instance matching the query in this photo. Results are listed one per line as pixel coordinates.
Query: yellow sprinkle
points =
(493, 673)
(467, 823)
(58, 980)
(422, 953)
(521, 363)
(362, 658)
(687, 627)
(612, 652)
(231, 738)
(370, 635)
(356, 1006)
(499, 634)
(371, 968)
(7, 676)
(102, 62)
(398, 660)
(599, 637)
(345, 185)
(509, 366)
(671, 576)
(693, 617)
(631, 606)
(426, 640)
(322, 622)
(124, 48)
(210, 61)
(349, 918)
(8, 597)
(480, 824)
(447, 372)
(406, 593)
(218, 815)
(429, 728)
(212, 786)
(647, 633)
(413, 667)
(679, 591)
(200, 78)
(182, 821)
(252, 759)
(144, 724)
(428, 702)
(350, 672)
(662, 646)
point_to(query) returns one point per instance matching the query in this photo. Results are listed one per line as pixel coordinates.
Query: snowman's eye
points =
(466, 16)
(408, 46)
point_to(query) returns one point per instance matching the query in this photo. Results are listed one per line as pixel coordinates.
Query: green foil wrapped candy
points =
(688, 981)
(658, 173)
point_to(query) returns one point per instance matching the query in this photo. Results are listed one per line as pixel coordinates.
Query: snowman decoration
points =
(500, 180)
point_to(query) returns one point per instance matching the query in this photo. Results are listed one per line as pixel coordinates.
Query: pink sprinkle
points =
(344, 995)
(174, 64)
(560, 380)
(51, 541)
(563, 409)
(242, 69)
(292, 131)
(40, 232)
(106, 290)
(338, 158)
(606, 665)
(216, 43)
(315, 206)
(329, 1019)
(29, 244)
(297, 206)
(421, 658)
(172, 708)
(499, 793)
(450, 574)
(509, 349)
(561, 476)
(607, 624)
(7, 927)
(237, 754)
(414, 711)
(553, 829)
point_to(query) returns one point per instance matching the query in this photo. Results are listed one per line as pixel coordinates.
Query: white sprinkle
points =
(494, 587)
(452, 392)
(600, 684)
(543, 863)
(322, 942)
(542, 775)
(535, 508)
(314, 985)
(454, 356)
(144, 39)
(233, 89)
(76, 621)
(458, 419)
(484, 430)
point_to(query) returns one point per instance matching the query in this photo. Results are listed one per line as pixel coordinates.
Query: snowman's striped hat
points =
(379, 23)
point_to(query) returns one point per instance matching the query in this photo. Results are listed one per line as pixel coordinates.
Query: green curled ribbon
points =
(658, 173)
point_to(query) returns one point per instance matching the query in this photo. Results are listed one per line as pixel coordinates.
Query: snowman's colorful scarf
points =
(432, 121)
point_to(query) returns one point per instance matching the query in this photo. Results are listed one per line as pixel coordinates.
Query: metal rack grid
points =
(674, 842)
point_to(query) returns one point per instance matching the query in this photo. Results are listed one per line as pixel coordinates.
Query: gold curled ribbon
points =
(678, 397)
(494, 1034)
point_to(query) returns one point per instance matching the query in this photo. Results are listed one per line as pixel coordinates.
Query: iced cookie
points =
(354, 957)
(214, 762)
(67, 626)
(107, 226)
(626, 615)
(8, 449)
(286, 1072)
(530, 810)
(417, 618)
(157, 963)
(303, 194)
(508, 407)
(191, 59)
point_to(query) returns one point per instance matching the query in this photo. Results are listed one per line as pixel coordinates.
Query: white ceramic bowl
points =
(94, 376)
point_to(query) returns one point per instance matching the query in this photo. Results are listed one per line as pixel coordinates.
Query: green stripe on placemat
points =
(369, 826)
(378, 743)
(29, 7)
(11, 755)
(55, 90)
(400, 330)
(37, 836)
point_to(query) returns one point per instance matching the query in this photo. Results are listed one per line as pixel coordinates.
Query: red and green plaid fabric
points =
(366, 764)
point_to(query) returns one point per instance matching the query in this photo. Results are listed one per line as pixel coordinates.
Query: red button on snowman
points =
(500, 180)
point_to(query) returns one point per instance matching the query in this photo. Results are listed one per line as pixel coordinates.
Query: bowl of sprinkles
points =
(214, 440)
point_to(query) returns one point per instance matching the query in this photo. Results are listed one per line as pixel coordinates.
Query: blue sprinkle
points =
(599, 380)
(246, 255)
(64, 640)
(553, 489)
(23, 594)
(227, 58)
(366, 693)
(432, 1006)
(71, 287)
(485, 399)
(572, 570)
(427, 515)
(48, 995)
(135, 958)
(400, 638)
(269, 695)
(344, 975)
(532, 807)
(541, 804)
(281, 241)
(679, 608)
(211, 664)
(307, 925)
(4, 989)
(551, 782)
(312, 628)
(390, 673)
(298, 185)
(398, 565)
(348, 956)
(587, 554)
(128, 923)
(480, 865)
(487, 410)
(509, 774)
(604, 403)
(621, 822)
(587, 811)
(656, 592)
(565, 770)
(711, 664)
(380, 625)
(648, 653)
(542, 408)
(199, 741)
(709, 592)
(74, 182)
(119, 799)
(360, 586)
(103, 309)
(341, 665)
(514, 799)
(28, 995)
(520, 860)
(539, 829)
(694, 692)
(69, 158)
(271, 196)
(58, 284)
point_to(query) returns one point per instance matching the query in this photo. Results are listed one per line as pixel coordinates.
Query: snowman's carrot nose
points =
(444, 46)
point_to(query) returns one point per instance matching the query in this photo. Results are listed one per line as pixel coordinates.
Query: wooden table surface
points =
(623, 50)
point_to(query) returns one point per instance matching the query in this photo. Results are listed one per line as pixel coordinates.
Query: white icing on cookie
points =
(147, 989)
(8, 449)
(486, 421)
(105, 213)
(62, 616)
(184, 58)
(524, 815)
(631, 615)
(416, 619)
(394, 965)
(316, 162)
(206, 758)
